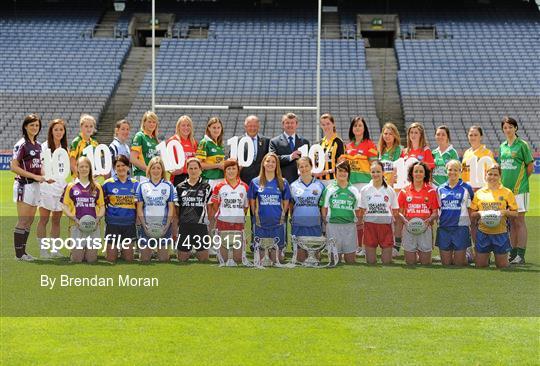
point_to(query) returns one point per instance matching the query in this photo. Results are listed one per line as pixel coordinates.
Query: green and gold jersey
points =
(514, 160)
(78, 145)
(146, 147)
(210, 152)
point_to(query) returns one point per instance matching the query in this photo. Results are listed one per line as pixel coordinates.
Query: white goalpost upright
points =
(315, 108)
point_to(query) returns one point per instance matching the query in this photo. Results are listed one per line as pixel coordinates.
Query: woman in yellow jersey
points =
(492, 204)
(333, 148)
(477, 150)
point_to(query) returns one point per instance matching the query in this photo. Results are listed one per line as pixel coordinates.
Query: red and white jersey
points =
(232, 201)
(378, 203)
(418, 203)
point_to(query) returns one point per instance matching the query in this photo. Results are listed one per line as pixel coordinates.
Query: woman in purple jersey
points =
(26, 163)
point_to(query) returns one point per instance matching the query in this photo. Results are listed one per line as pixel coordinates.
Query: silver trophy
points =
(230, 240)
(311, 244)
(266, 244)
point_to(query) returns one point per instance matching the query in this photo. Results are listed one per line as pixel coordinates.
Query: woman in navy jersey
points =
(26, 163)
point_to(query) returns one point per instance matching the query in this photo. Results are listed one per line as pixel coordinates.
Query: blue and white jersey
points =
(454, 203)
(120, 201)
(118, 148)
(269, 200)
(306, 199)
(156, 198)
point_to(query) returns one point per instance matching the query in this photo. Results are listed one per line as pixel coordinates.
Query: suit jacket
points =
(280, 146)
(249, 172)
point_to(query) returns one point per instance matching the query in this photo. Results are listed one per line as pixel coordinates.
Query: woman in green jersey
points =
(143, 146)
(442, 155)
(517, 164)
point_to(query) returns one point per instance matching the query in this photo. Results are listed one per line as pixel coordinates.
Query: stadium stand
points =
(51, 66)
(260, 60)
(480, 67)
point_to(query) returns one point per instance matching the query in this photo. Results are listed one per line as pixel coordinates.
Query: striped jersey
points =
(333, 149)
(387, 158)
(454, 203)
(120, 201)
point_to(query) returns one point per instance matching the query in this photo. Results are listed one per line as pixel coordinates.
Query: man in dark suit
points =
(261, 143)
(286, 147)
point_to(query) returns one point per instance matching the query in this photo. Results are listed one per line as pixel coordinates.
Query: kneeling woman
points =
(453, 234)
(378, 206)
(306, 193)
(83, 197)
(340, 207)
(230, 202)
(193, 197)
(418, 200)
(269, 196)
(155, 209)
(498, 202)
(120, 213)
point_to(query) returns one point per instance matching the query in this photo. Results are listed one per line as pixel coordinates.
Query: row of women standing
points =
(360, 152)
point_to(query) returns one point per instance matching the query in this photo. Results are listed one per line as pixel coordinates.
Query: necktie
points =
(291, 143)
(254, 145)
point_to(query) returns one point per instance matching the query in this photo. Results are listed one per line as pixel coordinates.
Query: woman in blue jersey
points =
(306, 192)
(453, 234)
(120, 211)
(155, 210)
(269, 196)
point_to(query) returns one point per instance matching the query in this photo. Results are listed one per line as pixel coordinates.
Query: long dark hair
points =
(33, 117)
(366, 130)
(50, 137)
(427, 172)
(377, 162)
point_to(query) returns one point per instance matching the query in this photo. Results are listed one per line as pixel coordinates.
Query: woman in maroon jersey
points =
(26, 163)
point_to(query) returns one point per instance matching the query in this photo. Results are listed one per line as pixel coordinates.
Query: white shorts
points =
(345, 237)
(413, 243)
(522, 201)
(27, 193)
(76, 233)
(50, 202)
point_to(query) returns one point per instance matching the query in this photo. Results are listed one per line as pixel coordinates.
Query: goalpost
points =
(315, 108)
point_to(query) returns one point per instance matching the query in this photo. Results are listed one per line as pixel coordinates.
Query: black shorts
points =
(122, 232)
(192, 236)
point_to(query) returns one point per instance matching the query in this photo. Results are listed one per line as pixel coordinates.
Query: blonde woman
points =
(184, 135)
(390, 148)
(143, 145)
(84, 139)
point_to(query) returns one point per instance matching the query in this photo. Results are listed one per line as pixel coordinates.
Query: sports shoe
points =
(360, 252)
(395, 253)
(25, 258)
(518, 260)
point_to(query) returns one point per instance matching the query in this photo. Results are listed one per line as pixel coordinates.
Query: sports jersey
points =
(56, 188)
(514, 160)
(120, 201)
(269, 199)
(422, 154)
(454, 203)
(232, 201)
(211, 153)
(499, 199)
(387, 158)
(360, 157)
(341, 203)
(192, 201)
(418, 203)
(81, 201)
(470, 153)
(189, 151)
(378, 203)
(441, 158)
(333, 149)
(155, 198)
(28, 155)
(78, 145)
(306, 199)
(146, 147)
(118, 148)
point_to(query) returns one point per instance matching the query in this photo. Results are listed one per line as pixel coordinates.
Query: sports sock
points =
(397, 245)
(513, 253)
(19, 241)
(521, 252)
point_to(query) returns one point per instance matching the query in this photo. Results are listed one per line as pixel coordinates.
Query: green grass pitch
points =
(201, 314)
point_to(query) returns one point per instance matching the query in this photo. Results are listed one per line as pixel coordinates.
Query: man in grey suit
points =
(286, 146)
(261, 144)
